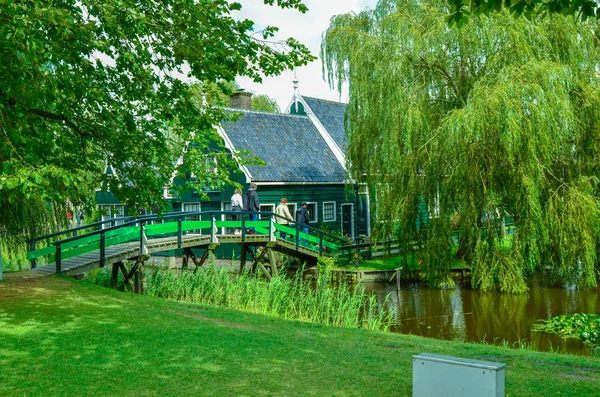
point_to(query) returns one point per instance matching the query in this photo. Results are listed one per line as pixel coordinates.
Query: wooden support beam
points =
(141, 278)
(257, 262)
(249, 251)
(184, 260)
(128, 275)
(136, 283)
(272, 261)
(264, 269)
(114, 275)
(202, 260)
(243, 258)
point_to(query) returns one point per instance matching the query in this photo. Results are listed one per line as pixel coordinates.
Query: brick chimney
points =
(241, 100)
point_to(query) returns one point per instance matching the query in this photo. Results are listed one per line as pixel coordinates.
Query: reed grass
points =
(323, 301)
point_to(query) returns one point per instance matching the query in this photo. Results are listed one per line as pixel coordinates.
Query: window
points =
(192, 207)
(266, 208)
(292, 207)
(312, 212)
(228, 217)
(328, 211)
(211, 164)
(112, 211)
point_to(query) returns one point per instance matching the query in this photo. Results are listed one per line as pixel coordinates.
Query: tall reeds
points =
(323, 301)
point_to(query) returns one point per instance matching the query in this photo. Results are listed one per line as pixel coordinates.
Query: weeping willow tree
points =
(456, 129)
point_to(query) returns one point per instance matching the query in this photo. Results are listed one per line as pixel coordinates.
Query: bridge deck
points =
(130, 250)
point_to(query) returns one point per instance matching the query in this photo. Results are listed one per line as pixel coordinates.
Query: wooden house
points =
(304, 151)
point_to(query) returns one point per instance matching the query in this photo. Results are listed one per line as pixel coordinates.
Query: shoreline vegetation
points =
(322, 300)
(59, 336)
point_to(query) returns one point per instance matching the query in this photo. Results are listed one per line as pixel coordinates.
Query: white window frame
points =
(110, 212)
(316, 212)
(266, 218)
(214, 169)
(334, 211)
(199, 231)
(227, 217)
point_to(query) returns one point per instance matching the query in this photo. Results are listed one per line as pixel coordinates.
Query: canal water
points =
(467, 315)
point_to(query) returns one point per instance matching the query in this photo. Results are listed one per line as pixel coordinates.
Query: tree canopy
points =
(461, 10)
(86, 83)
(456, 129)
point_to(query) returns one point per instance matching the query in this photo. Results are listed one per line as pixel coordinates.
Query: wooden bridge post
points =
(114, 274)
(272, 230)
(102, 249)
(272, 261)
(213, 231)
(179, 232)
(58, 259)
(32, 248)
(143, 239)
(243, 258)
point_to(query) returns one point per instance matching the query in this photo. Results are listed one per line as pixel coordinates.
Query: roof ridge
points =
(324, 100)
(268, 113)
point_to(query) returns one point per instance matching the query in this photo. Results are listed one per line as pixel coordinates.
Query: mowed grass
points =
(59, 337)
(392, 262)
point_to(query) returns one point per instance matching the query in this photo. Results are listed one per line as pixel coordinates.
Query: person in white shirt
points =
(237, 204)
(284, 217)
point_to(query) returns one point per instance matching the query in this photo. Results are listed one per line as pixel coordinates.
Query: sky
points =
(306, 28)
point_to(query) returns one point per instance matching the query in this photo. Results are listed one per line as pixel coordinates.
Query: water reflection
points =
(467, 315)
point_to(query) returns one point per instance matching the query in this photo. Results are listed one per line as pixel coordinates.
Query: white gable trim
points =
(229, 145)
(335, 149)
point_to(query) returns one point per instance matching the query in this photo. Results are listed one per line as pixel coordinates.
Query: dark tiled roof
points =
(290, 145)
(331, 115)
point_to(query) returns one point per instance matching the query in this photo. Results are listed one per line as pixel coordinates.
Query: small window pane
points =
(268, 208)
(328, 211)
(312, 211)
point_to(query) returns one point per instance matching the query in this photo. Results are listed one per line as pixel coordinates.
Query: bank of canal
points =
(491, 317)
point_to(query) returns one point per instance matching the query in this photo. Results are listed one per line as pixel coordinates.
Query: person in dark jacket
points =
(302, 219)
(252, 203)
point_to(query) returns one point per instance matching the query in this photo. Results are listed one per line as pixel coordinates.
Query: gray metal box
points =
(445, 376)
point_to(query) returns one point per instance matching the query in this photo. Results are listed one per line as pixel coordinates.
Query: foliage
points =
(90, 83)
(456, 129)
(460, 10)
(83, 338)
(579, 325)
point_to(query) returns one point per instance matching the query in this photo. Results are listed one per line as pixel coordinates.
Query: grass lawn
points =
(60, 337)
(394, 262)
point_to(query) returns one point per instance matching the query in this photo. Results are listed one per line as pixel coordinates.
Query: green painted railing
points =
(173, 224)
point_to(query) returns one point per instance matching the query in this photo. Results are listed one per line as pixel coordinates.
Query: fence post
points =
(297, 236)
(102, 248)
(58, 259)
(213, 231)
(143, 248)
(32, 248)
(243, 230)
(179, 232)
(271, 229)
(320, 242)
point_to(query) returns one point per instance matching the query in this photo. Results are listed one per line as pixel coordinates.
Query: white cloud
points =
(308, 29)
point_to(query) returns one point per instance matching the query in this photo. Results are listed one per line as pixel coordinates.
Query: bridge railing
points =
(177, 224)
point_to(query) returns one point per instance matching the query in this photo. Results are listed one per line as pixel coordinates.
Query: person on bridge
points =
(302, 219)
(252, 204)
(284, 217)
(237, 204)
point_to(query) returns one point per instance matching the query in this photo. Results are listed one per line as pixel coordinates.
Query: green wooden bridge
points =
(113, 241)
